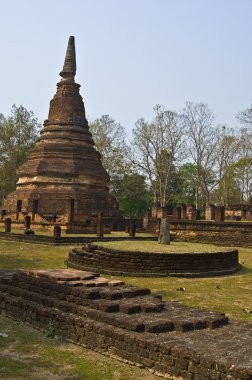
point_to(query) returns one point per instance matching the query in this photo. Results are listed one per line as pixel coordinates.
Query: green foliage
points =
(185, 185)
(18, 133)
(50, 331)
(132, 194)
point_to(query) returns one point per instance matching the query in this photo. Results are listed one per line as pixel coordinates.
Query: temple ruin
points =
(63, 180)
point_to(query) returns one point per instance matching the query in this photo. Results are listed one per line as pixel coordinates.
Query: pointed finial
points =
(69, 68)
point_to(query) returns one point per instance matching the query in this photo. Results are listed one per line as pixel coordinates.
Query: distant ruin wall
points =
(200, 231)
(226, 233)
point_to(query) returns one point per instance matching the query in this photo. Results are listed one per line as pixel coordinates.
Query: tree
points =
(156, 148)
(202, 142)
(245, 117)
(243, 168)
(185, 186)
(109, 137)
(242, 174)
(133, 196)
(18, 133)
(227, 155)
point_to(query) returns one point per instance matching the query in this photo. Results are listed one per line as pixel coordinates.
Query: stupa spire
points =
(69, 68)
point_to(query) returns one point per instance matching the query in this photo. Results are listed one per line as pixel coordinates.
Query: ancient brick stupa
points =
(63, 178)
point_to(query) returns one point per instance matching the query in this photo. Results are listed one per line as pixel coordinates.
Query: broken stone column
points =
(27, 225)
(190, 212)
(2, 214)
(100, 228)
(57, 232)
(132, 230)
(210, 212)
(127, 229)
(7, 225)
(164, 234)
(176, 212)
(249, 215)
(184, 211)
(220, 214)
(198, 215)
(27, 222)
(146, 220)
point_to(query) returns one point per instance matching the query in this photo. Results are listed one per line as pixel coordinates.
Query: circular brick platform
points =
(146, 264)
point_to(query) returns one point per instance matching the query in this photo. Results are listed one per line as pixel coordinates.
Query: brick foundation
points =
(129, 323)
(146, 264)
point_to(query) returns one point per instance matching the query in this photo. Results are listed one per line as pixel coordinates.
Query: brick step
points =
(125, 306)
(74, 291)
(163, 321)
(208, 354)
(94, 299)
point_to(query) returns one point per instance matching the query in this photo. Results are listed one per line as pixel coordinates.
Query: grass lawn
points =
(229, 294)
(152, 246)
(28, 354)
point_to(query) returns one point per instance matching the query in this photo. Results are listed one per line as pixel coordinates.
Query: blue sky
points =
(131, 55)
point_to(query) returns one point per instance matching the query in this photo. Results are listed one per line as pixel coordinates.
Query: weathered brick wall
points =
(106, 260)
(200, 231)
(226, 234)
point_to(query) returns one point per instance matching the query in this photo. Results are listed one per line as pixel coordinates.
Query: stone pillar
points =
(2, 214)
(164, 234)
(210, 212)
(27, 222)
(146, 220)
(155, 209)
(56, 232)
(27, 225)
(176, 212)
(193, 214)
(220, 214)
(132, 230)
(99, 228)
(184, 212)
(198, 214)
(34, 208)
(100, 215)
(7, 225)
(249, 215)
(127, 228)
(158, 223)
(244, 213)
(190, 210)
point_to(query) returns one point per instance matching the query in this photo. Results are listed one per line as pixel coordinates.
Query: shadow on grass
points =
(243, 270)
